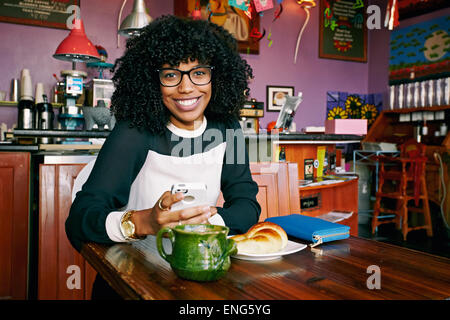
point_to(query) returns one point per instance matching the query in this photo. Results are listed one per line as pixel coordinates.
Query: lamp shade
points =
(136, 20)
(76, 46)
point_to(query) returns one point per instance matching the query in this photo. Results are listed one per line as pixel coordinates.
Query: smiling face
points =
(186, 101)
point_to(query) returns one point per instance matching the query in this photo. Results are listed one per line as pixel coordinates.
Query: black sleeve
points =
(108, 186)
(240, 210)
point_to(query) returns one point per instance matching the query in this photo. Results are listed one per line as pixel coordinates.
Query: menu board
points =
(44, 13)
(343, 31)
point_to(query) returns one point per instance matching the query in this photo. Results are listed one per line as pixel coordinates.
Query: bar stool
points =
(402, 179)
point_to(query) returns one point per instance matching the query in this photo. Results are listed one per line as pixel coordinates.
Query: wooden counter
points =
(340, 196)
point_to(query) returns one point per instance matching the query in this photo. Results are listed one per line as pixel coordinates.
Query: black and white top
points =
(134, 168)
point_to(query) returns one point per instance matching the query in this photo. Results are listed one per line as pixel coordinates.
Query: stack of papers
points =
(329, 179)
(335, 216)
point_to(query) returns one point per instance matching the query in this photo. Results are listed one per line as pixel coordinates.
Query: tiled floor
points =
(439, 244)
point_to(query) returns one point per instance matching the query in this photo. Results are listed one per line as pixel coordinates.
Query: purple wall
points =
(378, 57)
(32, 47)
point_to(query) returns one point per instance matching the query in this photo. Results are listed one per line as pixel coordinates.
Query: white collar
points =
(184, 133)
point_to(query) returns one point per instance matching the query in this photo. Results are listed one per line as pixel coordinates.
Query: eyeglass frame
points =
(182, 75)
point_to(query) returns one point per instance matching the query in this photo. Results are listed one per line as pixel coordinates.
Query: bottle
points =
(45, 118)
(439, 93)
(446, 91)
(418, 133)
(430, 94)
(423, 94)
(416, 97)
(401, 100)
(443, 129)
(424, 128)
(409, 95)
(282, 156)
(392, 97)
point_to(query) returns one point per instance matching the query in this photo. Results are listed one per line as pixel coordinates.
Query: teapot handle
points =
(231, 250)
(159, 244)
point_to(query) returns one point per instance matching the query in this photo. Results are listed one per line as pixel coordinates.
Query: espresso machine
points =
(71, 116)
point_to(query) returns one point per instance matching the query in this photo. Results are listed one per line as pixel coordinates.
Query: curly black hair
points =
(170, 39)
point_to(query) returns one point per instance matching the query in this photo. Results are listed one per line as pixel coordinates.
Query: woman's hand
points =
(151, 220)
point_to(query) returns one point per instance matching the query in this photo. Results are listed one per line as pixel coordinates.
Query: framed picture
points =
(276, 97)
(422, 49)
(343, 31)
(245, 30)
(52, 14)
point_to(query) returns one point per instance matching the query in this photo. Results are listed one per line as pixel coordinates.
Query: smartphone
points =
(194, 195)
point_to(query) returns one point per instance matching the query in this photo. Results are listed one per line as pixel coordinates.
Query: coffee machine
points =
(71, 116)
(44, 118)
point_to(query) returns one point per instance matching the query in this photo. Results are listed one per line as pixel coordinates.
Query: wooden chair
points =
(402, 179)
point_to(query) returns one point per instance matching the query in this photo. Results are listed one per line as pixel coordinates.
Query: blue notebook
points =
(312, 229)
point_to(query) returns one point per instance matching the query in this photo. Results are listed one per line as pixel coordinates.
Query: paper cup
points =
(40, 91)
(25, 73)
(26, 88)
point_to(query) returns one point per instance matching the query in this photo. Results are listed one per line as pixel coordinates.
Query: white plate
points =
(291, 247)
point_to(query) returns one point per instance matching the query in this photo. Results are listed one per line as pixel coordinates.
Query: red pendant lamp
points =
(76, 47)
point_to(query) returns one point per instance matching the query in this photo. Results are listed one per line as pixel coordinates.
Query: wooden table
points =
(336, 270)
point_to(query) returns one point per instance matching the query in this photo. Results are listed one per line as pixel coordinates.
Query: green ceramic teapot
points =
(200, 252)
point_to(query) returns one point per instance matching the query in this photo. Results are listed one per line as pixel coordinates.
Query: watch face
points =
(128, 228)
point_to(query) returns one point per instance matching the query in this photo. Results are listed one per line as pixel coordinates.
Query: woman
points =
(179, 88)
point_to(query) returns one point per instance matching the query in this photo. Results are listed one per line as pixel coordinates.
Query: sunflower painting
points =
(353, 106)
(369, 112)
(337, 113)
(343, 105)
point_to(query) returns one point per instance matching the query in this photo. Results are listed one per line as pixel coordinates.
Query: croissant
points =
(262, 238)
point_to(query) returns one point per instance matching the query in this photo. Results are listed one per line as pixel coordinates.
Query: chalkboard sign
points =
(44, 13)
(343, 31)
(311, 202)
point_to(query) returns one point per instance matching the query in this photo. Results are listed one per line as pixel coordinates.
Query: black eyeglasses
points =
(171, 77)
